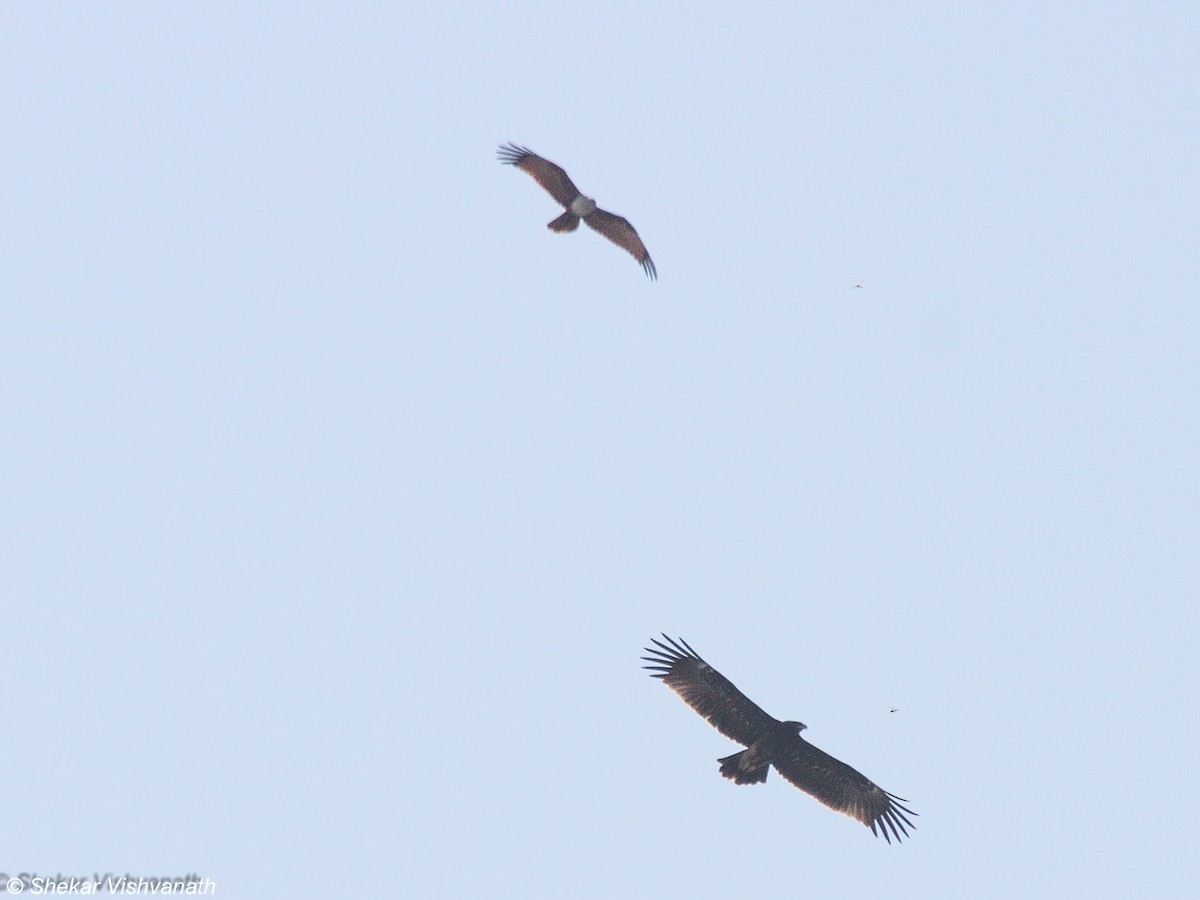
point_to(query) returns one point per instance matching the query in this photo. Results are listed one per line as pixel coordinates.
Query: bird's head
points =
(796, 727)
(583, 206)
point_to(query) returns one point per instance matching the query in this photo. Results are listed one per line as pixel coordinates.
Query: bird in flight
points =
(556, 182)
(770, 742)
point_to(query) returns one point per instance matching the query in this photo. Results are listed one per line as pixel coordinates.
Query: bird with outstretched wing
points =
(559, 185)
(770, 742)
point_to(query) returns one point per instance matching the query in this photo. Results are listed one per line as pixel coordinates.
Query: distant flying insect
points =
(894, 709)
(860, 284)
(554, 179)
(770, 742)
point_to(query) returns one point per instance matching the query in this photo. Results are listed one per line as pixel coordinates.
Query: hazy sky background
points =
(340, 496)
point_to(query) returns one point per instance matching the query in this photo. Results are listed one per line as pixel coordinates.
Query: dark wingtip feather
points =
(665, 657)
(894, 818)
(648, 266)
(511, 154)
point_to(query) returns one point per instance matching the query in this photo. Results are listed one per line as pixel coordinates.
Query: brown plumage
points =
(770, 742)
(555, 180)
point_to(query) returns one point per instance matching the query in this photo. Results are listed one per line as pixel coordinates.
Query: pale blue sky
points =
(340, 496)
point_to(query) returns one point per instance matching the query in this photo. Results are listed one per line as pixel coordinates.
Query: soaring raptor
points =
(770, 742)
(562, 189)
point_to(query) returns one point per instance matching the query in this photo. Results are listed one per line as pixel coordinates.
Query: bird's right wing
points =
(550, 176)
(708, 692)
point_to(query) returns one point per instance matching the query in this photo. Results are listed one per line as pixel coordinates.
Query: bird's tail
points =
(568, 221)
(744, 770)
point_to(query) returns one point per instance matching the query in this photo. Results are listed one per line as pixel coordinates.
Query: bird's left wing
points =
(843, 788)
(620, 232)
